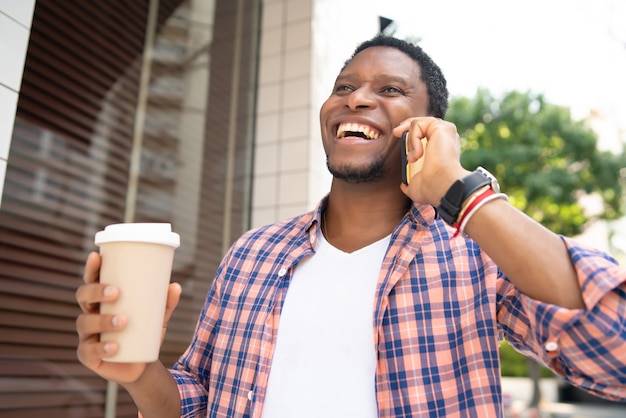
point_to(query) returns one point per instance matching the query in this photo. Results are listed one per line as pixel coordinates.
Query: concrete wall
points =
(303, 45)
(15, 21)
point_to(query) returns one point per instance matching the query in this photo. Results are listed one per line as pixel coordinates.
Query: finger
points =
(86, 295)
(417, 149)
(90, 352)
(89, 296)
(404, 126)
(90, 326)
(173, 296)
(417, 126)
(92, 268)
(442, 132)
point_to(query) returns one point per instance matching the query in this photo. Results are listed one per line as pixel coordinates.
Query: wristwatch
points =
(452, 201)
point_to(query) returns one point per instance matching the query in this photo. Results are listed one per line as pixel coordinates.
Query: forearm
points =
(586, 346)
(533, 258)
(155, 393)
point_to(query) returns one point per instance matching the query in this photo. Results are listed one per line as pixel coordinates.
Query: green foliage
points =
(544, 160)
(514, 364)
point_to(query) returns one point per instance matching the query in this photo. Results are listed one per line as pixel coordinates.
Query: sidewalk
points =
(562, 410)
(517, 393)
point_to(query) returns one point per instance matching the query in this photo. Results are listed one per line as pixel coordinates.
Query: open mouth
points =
(358, 130)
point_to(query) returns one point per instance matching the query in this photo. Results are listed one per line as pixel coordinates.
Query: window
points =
(83, 114)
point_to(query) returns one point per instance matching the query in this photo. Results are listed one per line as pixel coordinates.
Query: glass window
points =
(106, 133)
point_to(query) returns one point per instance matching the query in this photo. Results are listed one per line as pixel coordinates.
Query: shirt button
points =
(282, 272)
(312, 239)
(551, 346)
(250, 394)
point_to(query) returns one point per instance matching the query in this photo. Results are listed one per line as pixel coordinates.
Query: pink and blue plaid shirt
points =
(441, 307)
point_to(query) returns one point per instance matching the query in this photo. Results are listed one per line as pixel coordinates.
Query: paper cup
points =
(137, 259)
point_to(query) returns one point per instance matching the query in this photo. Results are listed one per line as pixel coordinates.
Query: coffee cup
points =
(137, 259)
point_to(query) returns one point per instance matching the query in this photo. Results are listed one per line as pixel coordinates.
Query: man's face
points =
(377, 90)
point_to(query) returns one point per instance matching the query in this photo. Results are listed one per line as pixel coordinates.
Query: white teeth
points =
(356, 127)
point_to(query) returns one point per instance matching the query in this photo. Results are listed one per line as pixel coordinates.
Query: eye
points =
(391, 90)
(343, 88)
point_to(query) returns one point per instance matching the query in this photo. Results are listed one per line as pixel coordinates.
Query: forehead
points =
(383, 61)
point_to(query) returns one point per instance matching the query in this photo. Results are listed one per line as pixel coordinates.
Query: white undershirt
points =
(324, 362)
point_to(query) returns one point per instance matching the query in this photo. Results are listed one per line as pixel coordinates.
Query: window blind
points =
(68, 174)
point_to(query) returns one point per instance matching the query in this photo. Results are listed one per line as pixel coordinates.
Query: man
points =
(372, 305)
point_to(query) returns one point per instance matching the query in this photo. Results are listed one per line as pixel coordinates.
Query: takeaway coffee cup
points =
(137, 259)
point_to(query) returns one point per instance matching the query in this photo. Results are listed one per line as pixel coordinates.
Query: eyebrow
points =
(387, 78)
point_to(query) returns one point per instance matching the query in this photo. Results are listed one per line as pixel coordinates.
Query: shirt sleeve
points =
(585, 346)
(192, 370)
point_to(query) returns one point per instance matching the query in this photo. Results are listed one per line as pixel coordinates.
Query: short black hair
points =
(431, 74)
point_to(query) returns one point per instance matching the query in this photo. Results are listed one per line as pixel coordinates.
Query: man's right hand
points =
(90, 324)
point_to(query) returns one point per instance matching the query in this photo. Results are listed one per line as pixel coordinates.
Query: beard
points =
(352, 174)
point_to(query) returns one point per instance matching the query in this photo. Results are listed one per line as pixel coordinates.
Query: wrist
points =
(467, 204)
(478, 202)
(458, 197)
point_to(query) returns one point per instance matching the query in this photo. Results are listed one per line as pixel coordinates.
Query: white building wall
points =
(15, 22)
(303, 46)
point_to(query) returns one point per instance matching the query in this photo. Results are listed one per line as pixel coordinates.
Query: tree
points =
(545, 161)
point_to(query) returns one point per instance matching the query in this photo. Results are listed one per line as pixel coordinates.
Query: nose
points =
(361, 98)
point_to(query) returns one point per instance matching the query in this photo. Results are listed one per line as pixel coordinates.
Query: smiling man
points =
(389, 299)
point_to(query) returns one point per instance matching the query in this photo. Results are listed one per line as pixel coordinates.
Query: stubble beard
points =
(352, 174)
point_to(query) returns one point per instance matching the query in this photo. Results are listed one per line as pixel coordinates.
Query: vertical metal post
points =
(110, 406)
(140, 114)
(232, 129)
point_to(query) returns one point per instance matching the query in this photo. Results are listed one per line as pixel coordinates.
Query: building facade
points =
(202, 113)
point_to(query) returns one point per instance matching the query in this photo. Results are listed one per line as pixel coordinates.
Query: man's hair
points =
(431, 74)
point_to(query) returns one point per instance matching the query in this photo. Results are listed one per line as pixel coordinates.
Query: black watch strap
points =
(451, 202)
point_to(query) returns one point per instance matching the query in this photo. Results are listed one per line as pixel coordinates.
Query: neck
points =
(358, 215)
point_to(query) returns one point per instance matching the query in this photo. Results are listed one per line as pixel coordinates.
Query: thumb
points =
(173, 296)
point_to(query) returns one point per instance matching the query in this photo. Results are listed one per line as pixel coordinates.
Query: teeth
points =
(356, 127)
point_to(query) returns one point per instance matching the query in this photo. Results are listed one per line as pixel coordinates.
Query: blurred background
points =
(204, 113)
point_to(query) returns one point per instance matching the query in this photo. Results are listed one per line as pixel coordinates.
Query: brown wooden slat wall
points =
(67, 175)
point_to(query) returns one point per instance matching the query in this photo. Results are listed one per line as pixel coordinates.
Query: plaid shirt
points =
(441, 306)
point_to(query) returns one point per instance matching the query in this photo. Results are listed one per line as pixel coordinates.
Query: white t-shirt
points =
(324, 362)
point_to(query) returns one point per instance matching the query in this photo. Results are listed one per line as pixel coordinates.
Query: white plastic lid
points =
(155, 233)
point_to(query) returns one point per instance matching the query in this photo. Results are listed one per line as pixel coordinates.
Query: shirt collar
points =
(315, 217)
(422, 214)
(418, 214)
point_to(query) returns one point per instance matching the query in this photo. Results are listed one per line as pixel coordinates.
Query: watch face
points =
(495, 186)
(450, 205)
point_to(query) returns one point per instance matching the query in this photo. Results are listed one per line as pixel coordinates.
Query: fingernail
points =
(108, 291)
(117, 321)
(108, 347)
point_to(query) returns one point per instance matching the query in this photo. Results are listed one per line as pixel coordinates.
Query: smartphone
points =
(410, 169)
